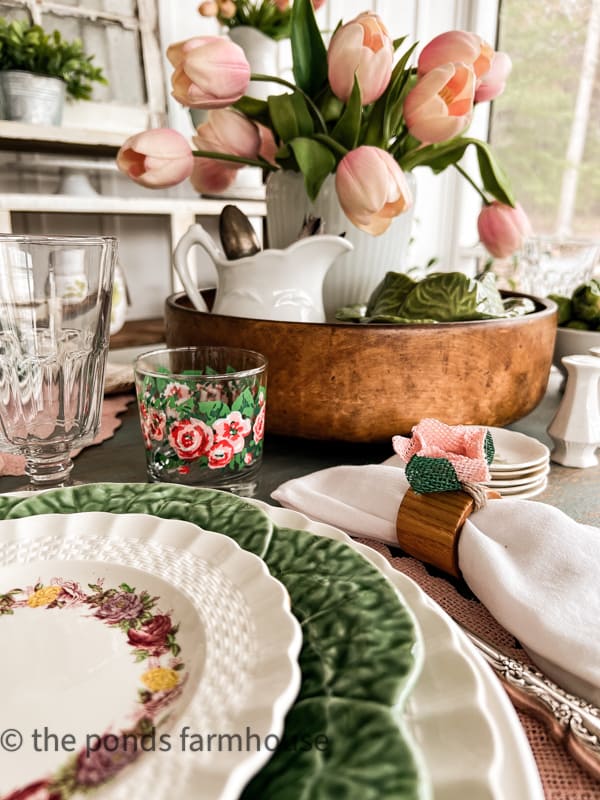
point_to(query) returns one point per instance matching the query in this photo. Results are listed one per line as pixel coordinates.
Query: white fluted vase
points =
(262, 54)
(353, 275)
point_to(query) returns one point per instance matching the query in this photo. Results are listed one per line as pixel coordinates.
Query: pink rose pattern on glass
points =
(216, 425)
(152, 636)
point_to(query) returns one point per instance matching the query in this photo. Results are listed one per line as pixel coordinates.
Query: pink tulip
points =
(210, 72)
(268, 146)
(226, 131)
(371, 188)
(456, 47)
(227, 9)
(440, 105)
(209, 8)
(362, 47)
(156, 158)
(502, 228)
(317, 4)
(212, 177)
(282, 5)
(493, 82)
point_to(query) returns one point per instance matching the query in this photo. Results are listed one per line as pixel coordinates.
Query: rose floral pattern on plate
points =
(150, 639)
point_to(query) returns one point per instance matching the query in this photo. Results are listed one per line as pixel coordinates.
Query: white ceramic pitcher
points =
(284, 285)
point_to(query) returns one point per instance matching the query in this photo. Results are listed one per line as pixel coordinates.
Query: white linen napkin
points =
(535, 569)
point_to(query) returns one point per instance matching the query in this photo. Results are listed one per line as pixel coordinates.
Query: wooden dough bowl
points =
(365, 383)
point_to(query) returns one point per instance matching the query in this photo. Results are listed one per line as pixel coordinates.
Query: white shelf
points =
(47, 138)
(103, 204)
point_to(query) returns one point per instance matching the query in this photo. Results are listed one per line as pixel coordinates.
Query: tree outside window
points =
(545, 128)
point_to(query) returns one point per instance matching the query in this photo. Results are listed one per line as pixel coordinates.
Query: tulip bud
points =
(493, 82)
(363, 48)
(225, 131)
(371, 188)
(282, 5)
(208, 9)
(156, 158)
(228, 131)
(210, 72)
(317, 4)
(227, 9)
(456, 47)
(502, 228)
(440, 105)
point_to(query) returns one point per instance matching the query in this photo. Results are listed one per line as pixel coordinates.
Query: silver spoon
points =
(238, 237)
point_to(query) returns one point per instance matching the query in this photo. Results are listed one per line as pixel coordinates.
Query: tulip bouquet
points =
(271, 17)
(357, 109)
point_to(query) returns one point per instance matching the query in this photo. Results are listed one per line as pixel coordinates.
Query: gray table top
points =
(121, 459)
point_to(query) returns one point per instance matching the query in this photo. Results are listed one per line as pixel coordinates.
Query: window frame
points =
(122, 119)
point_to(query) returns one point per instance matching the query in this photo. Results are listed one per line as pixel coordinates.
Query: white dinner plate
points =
(531, 477)
(516, 451)
(527, 493)
(113, 622)
(458, 713)
(519, 491)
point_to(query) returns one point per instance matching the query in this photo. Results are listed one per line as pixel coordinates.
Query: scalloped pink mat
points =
(13, 465)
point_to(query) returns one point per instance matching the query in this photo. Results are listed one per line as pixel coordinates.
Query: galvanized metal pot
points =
(26, 97)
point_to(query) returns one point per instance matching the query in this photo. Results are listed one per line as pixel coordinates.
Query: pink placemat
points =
(112, 407)
(561, 777)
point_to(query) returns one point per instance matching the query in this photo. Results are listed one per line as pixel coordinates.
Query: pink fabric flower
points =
(371, 188)
(233, 429)
(461, 445)
(221, 454)
(440, 105)
(363, 48)
(210, 72)
(190, 438)
(156, 158)
(502, 228)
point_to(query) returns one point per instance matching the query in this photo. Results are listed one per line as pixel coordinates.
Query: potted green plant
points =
(38, 69)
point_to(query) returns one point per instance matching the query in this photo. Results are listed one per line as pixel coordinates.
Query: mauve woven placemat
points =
(562, 778)
(112, 407)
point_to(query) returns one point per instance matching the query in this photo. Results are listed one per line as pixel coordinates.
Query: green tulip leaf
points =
(400, 83)
(290, 116)
(495, 180)
(330, 106)
(308, 50)
(347, 128)
(316, 162)
(254, 109)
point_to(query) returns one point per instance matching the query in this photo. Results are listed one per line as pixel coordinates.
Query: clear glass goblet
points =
(55, 297)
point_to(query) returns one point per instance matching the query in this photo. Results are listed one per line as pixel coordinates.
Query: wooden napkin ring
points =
(428, 526)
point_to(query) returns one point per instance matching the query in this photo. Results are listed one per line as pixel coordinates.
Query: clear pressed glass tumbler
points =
(55, 296)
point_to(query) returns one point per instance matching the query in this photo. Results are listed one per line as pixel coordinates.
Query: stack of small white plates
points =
(521, 464)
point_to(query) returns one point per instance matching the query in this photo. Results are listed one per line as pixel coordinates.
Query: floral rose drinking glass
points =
(202, 413)
(55, 297)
